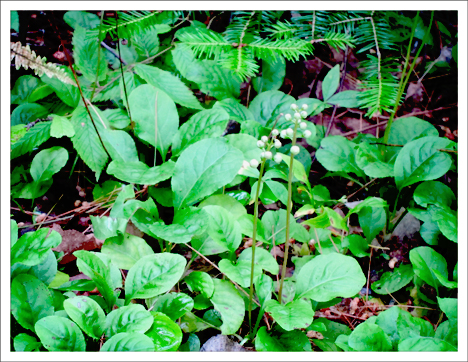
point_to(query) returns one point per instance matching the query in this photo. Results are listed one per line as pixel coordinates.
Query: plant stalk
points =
(288, 213)
(254, 240)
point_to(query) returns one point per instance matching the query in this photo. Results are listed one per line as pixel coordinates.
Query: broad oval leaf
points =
(166, 334)
(371, 161)
(391, 282)
(222, 228)
(328, 276)
(369, 337)
(425, 260)
(60, 334)
(36, 136)
(266, 343)
(228, 302)
(331, 82)
(198, 281)
(120, 145)
(25, 343)
(173, 305)
(267, 105)
(153, 275)
(263, 259)
(88, 59)
(48, 162)
(421, 160)
(424, 344)
(61, 126)
(30, 300)
(27, 112)
(139, 173)
(87, 313)
(235, 208)
(155, 116)
(433, 192)
(240, 272)
(131, 318)
(203, 168)
(32, 247)
(128, 342)
(125, 250)
(336, 153)
(296, 314)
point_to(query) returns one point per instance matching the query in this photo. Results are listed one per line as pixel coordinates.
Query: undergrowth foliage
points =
(151, 115)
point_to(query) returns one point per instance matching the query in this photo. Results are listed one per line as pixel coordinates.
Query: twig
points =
(113, 52)
(368, 276)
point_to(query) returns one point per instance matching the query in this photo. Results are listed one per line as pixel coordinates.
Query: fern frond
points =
(337, 40)
(380, 86)
(27, 58)
(291, 49)
(282, 30)
(242, 27)
(203, 41)
(240, 60)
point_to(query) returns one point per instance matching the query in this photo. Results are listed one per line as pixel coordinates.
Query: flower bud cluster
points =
(300, 114)
(266, 144)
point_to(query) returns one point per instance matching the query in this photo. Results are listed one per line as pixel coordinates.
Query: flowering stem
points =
(288, 213)
(254, 241)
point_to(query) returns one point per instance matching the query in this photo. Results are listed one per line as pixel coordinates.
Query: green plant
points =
(164, 162)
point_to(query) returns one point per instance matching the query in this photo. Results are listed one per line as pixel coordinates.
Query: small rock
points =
(221, 343)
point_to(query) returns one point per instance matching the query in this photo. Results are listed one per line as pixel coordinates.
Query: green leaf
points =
(44, 271)
(87, 314)
(240, 272)
(14, 24)
(328, 276)
(146, 41)
(425, 260)
(86, 141)
(25, 343)
(264, 288)
(107, 227)
(85, 53)
(132, 318)
(337, 154)
(192, 344)
(263, 259)
(153, 275)
(228, 302)
(372, 216)
(449, 306)
(298, 169)
(36, 136)
(27, 112)
(117, 118)
(222, 228)
(274, 223)
(68, 93)
(173, 305)
(266, 343)
(370, 159)
(30, 300)
(297, 314)
(139, 173)
(424, 344)
(272, 78)
(210, 123)
(23, 88)
(81, 18)
(236, 110)
(60, 334)
(172, 85)
(47, 163)
(357, 245)
(60, 127)
(266, 106)
(444, 280)
(33, 247)
(125, 250)
(331, 82)
(128, 342)
(213, 80)
(447, 222)
(216, 165)
(345, 99)
(448, 332)
(391, 282)
(120, 145)
(92, 266)
(235, 208)
(153, 109)
(82, 285)
(369, 337)
(198, 281)
(166, 335)
(433, 192)
(421, 160)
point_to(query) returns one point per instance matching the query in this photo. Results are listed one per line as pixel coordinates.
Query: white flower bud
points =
(260, 144)
(290, 132)
(278, 158)
(278, 143)
(303, 125)
(304, 114)
(305, 106)
(283, 133)
(268, 155)
(264, 139)
(293, 106)
(307, 133)
(262, 155)
(254, 163)
(275, 132)
(287, 117)
(295, 150)
(297, 115)
(245, 164)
